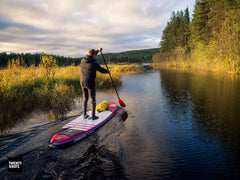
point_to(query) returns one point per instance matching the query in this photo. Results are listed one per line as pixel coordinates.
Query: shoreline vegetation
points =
(209, 40)
(196, 66)
(46, 87)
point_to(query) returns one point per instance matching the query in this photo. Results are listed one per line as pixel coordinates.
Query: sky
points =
(72, 27)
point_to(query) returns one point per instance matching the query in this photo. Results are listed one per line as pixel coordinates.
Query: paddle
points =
(119, 100)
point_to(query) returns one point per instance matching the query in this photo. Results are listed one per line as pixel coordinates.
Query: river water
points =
(177, 125)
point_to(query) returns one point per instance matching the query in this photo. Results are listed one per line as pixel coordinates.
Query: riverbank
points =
(23, 89)
(198, 66)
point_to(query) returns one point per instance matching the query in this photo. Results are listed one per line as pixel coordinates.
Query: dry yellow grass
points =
(24, 89)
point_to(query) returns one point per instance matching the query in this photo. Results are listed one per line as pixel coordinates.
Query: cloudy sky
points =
(71, 27)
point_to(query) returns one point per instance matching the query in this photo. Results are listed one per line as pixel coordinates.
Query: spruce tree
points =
(200, 29)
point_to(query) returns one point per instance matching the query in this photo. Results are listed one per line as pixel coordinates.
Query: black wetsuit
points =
(89, 66)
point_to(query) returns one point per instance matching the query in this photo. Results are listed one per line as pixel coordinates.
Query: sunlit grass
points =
(202, 58)
(199, 66)
(23, 89)
(125, 68)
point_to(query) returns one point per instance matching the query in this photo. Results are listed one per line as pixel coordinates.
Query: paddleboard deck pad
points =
(80, 127)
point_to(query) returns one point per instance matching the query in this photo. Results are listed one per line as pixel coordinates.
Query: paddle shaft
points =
(110, 75)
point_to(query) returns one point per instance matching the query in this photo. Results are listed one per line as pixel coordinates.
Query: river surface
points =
(177, 125)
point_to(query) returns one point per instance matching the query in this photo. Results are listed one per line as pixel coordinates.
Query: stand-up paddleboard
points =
(80, 127)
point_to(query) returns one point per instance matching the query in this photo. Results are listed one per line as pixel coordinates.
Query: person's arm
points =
(100, 69)
(97, 66)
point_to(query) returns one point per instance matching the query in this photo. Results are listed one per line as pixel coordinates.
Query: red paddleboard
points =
(80, 127)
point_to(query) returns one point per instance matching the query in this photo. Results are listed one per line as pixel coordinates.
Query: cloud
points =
(71, 27)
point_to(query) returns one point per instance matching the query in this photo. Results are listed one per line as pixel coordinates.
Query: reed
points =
(126, 68)
(201, 58)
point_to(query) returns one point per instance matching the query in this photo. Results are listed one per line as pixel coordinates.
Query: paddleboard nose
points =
(56, 139)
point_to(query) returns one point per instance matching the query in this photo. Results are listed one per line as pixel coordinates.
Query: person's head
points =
(92, 53)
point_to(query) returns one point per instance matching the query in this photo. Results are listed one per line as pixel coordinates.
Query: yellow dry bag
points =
(102, 106)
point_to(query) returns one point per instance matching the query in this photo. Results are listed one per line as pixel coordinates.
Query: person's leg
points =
(85, 100)
(92, 92)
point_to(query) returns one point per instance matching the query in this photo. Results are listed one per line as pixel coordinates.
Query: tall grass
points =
(23, 89)
(201, 58)
(125, 68)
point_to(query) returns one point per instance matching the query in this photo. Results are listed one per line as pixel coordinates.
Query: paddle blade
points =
(121, 102)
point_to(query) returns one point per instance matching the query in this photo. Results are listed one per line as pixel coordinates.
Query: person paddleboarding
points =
(89, 66)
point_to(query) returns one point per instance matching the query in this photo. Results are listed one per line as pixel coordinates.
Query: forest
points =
(209, 39)
(135, 56)
(35, 59)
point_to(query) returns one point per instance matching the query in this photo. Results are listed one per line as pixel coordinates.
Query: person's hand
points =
(100, 49)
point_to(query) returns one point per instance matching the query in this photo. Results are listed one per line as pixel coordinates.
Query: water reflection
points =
(210, 105)
(180, 126)
(212, 101)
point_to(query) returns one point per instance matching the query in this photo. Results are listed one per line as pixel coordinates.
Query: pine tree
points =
(200, 29)
(176, 33)
(186, 22)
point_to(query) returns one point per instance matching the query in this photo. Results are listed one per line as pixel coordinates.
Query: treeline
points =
(177, 32)
(134, 56)
(211, 38)
(35, 59)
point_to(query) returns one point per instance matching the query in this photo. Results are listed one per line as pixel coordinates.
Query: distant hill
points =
(134, 56)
